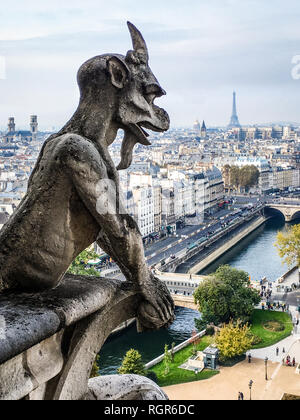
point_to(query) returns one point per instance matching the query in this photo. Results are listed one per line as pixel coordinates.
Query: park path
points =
(230, 381)
(290, 345)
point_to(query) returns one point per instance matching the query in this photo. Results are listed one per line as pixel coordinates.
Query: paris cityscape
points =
(165, 269)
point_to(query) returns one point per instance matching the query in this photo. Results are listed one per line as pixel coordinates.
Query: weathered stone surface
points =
(31, 318)
(26, 372)
(73, 192)
(123, 387)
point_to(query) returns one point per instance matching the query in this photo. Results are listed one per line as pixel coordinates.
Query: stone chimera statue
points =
(59, 215)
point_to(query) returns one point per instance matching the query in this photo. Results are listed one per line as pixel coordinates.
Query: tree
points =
(95, 368)
(288, 245)
(78, 266)
(237, 178)
(195, 341)
(248, 176)
(227, 294)
(234, 176)
(132, 363)
(167, 360)
(234, 339)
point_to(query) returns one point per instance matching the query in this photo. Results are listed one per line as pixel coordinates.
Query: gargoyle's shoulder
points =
(73, 145)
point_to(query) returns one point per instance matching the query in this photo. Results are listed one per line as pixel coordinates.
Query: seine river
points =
(256, 254)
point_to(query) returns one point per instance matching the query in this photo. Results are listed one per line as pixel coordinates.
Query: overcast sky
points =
(200, 51)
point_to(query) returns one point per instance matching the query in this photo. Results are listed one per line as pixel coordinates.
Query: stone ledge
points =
(28, 319)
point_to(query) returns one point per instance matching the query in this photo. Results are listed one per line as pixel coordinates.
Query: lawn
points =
(180, 376)
(268, 338)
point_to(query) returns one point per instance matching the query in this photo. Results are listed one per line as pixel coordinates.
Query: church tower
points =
(33, 126)
(203, 130)
(11, 125)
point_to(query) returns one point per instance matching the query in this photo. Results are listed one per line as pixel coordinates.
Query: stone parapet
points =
(49, 341)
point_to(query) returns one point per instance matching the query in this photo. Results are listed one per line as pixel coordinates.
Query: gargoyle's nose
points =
(155, 89)
(163, 92)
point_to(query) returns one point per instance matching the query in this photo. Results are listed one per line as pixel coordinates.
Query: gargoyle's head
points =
(134, 88)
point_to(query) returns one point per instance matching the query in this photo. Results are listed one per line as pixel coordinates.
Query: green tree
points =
(227, 294)
(234, 176)
(248, 176)
(78, 266)
(95, 368)
(233, 339)
(288, 245)
(132, 363)
(167, 360)
(226, 175)
(238, 178)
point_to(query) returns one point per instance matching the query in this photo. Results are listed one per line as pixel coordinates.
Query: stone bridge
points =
(290, 211)
(184, 301)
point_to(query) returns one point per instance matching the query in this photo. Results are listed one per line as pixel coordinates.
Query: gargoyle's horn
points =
(138, 42)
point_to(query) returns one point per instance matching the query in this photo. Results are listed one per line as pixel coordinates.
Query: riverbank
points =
(217, 253)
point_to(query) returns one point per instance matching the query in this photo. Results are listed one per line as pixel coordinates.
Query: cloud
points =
(200, 52)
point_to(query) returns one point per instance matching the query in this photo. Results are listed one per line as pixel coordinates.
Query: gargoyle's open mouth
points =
(141, 134)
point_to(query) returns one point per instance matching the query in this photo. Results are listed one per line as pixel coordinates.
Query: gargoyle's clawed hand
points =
(158, 308)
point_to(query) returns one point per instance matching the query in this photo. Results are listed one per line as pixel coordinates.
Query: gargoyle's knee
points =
(123, 387)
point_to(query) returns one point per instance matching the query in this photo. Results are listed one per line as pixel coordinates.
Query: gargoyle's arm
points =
(118, 233)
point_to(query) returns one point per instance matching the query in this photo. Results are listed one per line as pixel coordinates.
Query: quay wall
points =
(227, 246)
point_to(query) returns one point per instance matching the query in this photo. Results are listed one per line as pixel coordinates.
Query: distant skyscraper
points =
(234, 121)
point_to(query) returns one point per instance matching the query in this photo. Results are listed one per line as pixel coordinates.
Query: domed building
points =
(197, 126)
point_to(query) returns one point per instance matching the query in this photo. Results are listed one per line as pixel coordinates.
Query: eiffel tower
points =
(234, 121)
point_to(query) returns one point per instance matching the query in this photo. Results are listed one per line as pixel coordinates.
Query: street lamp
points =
(266, 367)
(250, 387)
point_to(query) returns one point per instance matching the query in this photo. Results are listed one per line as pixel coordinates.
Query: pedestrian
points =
(294, 362)
(239, 396)
(242, 396)
(277, 351)
(283, 350)
(249, 358)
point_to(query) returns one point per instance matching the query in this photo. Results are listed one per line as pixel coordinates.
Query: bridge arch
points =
(272, 211)
(295, 216)
(289, 211)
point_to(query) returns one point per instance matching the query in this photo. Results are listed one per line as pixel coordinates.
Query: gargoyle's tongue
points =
(140, 134)
(133, 135)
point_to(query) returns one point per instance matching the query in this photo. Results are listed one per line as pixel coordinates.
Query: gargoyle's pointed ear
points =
(138, 42)
(119, 72)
